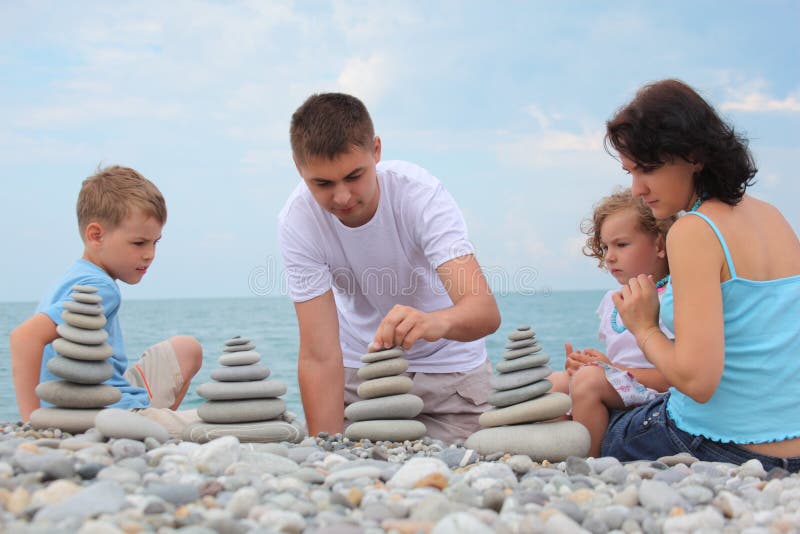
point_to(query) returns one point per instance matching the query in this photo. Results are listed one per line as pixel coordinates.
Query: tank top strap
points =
(721, 241)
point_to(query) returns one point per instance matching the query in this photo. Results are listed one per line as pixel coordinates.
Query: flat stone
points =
(520, 378)
(382, 387)
(240, 373)
(70, 395)
(518, 364)
(82, 352)
(68, 420)
(83, 289)
(515, 396)
(554, 442)
(257, 389)
(237, 341)
(241, 411)
(518, 335)
(116, 423)
(80, 371)
(85, 309)
(244, 357)
(239, 348)
(386, 430)
(394, 366)
(377, 356)
(260, 432)
(101, 498)
(517, 353)
(548, 406)
(79, 320)
(403, 406)
(81, 335)
(520, 344)
(86, 298)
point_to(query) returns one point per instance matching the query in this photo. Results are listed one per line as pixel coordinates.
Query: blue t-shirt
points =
(86, 273)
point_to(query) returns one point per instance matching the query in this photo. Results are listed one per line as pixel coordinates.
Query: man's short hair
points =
(111, 193)
(328, 125)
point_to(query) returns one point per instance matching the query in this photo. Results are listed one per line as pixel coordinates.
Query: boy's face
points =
(629, 251)
(124, 252)
(346, 186)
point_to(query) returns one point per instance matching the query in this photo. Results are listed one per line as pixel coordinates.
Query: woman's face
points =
(667, 189)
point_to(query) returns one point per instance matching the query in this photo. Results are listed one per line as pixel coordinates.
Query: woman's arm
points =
(693, 363)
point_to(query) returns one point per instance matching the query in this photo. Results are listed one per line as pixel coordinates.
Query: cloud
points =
(752, 95)
(548, 147)
(757, 101)
(367, 78)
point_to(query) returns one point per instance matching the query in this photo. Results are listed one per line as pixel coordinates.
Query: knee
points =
(189, 352)
(587, 382)
(560, 381)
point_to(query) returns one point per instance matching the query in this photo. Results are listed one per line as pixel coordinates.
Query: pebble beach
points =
(51, 481)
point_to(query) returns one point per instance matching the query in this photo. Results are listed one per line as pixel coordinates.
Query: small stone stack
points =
(388, 409)
(82, 364)
(241, 401)
(521, 405)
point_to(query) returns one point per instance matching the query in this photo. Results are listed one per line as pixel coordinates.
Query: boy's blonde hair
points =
(109, 195)
(620, 200)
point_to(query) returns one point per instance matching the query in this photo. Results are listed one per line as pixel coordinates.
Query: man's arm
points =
(27, 342)
(319, 367)
(473, 315)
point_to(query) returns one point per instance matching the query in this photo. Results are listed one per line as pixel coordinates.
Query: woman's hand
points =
(637, 304)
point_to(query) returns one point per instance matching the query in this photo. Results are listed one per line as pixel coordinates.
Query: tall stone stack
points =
(387, 410)
(81, 363)
(522, 404)
(241, 401)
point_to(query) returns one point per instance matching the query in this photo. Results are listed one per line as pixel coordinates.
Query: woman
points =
(733, 300)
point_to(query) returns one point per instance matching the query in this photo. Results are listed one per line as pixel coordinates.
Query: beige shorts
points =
(452, 402)
(159, 373)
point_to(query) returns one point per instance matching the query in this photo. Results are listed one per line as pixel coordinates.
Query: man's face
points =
(346, 186)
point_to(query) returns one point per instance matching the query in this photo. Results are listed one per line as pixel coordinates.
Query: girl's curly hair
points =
(619, 200)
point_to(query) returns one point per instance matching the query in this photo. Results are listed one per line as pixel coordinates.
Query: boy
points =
(376, 253)
(120, 218)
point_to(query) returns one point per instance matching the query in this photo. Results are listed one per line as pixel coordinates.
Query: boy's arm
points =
(27, 342)
(320, 370)
(473, 315)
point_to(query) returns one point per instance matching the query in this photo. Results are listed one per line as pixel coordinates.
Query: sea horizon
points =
(269, 321)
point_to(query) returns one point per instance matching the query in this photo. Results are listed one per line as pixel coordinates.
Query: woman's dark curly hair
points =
(669, 119)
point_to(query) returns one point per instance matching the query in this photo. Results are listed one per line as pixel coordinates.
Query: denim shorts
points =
(647, 433)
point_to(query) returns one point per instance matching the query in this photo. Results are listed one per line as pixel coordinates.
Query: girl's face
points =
(667, 189)
(629, 251)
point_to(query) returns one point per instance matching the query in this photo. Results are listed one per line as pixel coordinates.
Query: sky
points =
(504, 102)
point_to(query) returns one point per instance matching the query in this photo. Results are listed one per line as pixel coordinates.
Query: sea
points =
(556, 316)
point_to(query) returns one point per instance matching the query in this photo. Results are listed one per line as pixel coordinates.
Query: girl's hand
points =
(637, 304)
(571, 361)
(597, 356)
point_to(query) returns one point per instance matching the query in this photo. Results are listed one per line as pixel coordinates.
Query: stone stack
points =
(82, 364)
(242, 402)
(388, 409)
(522, 404)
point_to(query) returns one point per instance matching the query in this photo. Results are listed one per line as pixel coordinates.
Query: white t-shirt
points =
(621, 349)
(392, 259)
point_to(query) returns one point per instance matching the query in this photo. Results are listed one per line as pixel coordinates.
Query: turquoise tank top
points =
(758, 396)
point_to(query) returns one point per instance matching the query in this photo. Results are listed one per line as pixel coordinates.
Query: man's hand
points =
(404, 325)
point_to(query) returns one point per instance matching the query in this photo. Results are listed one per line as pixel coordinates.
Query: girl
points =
(733, 299)
(627, 241)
